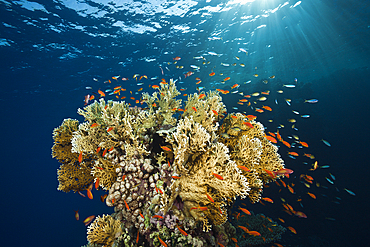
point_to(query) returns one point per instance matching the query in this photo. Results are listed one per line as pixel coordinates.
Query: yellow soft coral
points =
(74, 177)
(106, 172)
(62, 136)
(104, 230)
(163, 103)
(249, 148)
(205, 167)
(203, 109)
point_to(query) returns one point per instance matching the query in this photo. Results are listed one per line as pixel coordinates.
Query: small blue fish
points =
(288, 103)
(332, 176)
(276, 102)
(350, 192)
(332, 219)
(329, 180)
(292, 157)
(326, 143)
(326, 166)
(305, 116)
(289, 86)
(312, 101)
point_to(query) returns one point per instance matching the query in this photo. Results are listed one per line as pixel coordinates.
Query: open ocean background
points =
(51, 51)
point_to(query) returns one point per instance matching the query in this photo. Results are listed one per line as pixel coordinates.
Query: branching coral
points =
(104, 230)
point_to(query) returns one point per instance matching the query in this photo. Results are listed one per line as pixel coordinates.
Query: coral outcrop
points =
(171, 174)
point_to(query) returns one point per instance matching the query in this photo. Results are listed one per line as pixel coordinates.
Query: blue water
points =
(51, 50)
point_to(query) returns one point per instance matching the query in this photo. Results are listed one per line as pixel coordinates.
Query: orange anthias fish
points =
(304, 144)
(299, 214)
(110, 129)
(218, 176)
(97, 183)
(88, 220)
(234, 239)
(271, 139)
(290, 189)
(195, 109)
(235, 86)
(254, 233)
(267, 108)
(182, 231)
(177, 58)
(248, 124)
(155, 86)
(292, 229)
(128, 208)
(283, 183)
(102, 94)
(212, 74)
(267, 199)
(210, 198)
(215, 112)
(166, 148)
(312, 195)
(89, 194)
(162, 242)
(80, 157)
(283, 171)
(293, 154)
(244, 228)
(77, 215)
(244, 168)
(94, 125)
(259, 110)
(279, 136)
(251, 117)
(157, 217)
(227, 78)
(270, 173)
(201, 96)
(286, 143)
(245, 211)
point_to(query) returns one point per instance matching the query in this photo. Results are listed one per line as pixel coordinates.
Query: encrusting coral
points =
(171, 174)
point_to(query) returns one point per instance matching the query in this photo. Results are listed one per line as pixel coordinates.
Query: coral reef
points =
(171, 174)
